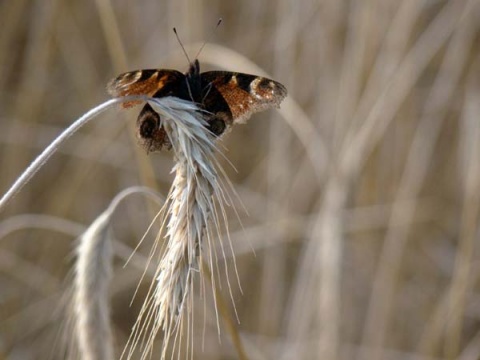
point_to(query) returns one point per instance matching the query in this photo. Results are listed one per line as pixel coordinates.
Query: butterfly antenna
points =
(181, 44)
(211, 34)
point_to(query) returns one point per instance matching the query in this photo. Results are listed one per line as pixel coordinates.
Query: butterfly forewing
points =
(245, 94)
(144, 82)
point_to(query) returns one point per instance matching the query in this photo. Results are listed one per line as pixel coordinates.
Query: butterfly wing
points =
(150, 82)
(228, 97)
(155, 83)
(245, 94)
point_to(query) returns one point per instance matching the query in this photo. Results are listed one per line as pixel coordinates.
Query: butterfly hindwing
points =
(151, 134)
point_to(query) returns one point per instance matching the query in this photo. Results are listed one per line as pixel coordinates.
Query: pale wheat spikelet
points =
(191, 224)
(93, 272)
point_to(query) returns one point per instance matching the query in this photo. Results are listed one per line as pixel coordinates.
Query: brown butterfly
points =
(227, 98)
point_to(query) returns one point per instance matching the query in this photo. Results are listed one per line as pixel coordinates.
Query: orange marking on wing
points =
(243, 103)
(130, 84)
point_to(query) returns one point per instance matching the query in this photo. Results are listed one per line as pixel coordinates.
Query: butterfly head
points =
(194, 69)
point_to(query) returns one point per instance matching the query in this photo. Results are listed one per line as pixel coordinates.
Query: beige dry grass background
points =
(363, 192)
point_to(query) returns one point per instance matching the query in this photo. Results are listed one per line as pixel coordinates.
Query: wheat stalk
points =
(45, 155)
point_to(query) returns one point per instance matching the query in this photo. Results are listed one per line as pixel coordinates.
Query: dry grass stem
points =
(464, 271)
(416, 170)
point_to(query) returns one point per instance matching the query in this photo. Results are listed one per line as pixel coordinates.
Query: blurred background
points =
(358, 233)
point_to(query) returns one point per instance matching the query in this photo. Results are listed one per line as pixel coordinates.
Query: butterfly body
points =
(226, 98)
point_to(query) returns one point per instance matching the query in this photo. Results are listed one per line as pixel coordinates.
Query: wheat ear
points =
(192, 222)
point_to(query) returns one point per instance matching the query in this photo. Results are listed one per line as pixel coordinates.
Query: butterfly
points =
(225, 97)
